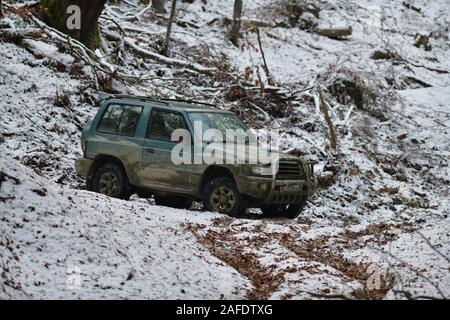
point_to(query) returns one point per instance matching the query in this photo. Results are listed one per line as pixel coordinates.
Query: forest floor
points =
(378, 229)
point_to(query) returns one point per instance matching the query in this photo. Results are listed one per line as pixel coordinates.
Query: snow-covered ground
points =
(68, 244)
(382, 230)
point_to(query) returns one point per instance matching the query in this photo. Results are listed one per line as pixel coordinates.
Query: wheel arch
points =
(215, 171)
(102, 159)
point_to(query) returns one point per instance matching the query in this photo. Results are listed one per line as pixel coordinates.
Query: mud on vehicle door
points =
(158, 168)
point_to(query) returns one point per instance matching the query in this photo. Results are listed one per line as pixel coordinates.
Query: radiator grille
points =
(290, 170)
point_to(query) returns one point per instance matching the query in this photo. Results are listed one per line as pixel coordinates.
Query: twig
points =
(327, 296)
(143, 11)
(34, 122)
(3, 199)
(266, 68)
(78, 48)
(409, 296)
(418, 273)
(433, 248)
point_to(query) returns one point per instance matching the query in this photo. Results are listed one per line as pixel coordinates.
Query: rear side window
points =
(120, 119)
(163, 123)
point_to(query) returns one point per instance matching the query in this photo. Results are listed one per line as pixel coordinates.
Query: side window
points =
(120, 119)
(163, 123)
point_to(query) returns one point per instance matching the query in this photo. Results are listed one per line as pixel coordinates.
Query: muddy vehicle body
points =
(128, 148)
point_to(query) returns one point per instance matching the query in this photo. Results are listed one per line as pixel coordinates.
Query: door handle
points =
(150, 150)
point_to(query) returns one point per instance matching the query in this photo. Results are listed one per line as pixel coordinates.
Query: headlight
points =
(259, 169)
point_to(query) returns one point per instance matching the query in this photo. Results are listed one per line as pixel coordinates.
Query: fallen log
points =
(334, 33)
(383, 55)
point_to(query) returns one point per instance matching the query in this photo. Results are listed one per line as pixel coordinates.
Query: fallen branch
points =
(95, 61)
(324, 110)
(411, 79)
(409, 296)
(78, 48)
(246, 24)
(415, 271)
(441, 71)
(130, 43)
(266, 68)
(120, 49)
(17, 35)
(433, 248)
(3, 199)
(266, 116)
(143, 11)
(328, 296)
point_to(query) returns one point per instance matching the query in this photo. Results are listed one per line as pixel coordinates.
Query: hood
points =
(244, 153)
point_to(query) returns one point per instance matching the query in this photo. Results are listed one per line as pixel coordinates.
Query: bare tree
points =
(57, 13)
(169, 27)
(158, 6)
(1, 9)
(236, 24)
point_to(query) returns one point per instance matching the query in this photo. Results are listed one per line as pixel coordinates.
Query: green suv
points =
(129, 147)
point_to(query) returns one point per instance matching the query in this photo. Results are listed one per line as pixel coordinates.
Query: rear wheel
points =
(89, 185)
(290, 211)
(177, 202)
(222, 195)
(111, 180)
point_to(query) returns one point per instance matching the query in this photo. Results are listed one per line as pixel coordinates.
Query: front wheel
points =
(290, 211)
(222, 195)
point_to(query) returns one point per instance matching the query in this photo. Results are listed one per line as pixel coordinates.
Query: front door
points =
(158, 168)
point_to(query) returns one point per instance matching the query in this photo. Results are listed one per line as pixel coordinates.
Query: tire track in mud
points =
(224, 246)
(239, 244)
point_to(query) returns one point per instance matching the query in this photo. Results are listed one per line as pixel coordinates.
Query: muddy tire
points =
(111, 180)
(176, 202)
(89, 186)
(291, 211)
(222, 195)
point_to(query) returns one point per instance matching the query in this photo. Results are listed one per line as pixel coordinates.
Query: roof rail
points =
(190, 102)
(142, 98)
(102, 96)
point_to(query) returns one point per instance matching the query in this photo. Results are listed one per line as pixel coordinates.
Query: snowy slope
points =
(119, 250)
(389, 200)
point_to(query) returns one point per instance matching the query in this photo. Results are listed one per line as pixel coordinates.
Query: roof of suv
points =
(186, 105)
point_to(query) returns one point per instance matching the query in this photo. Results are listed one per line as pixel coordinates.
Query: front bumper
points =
(270, 191)
(83, 166)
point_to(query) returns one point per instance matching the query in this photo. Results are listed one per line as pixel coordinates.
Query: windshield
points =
(223, 122)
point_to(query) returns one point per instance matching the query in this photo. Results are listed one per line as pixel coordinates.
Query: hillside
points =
(378, 227)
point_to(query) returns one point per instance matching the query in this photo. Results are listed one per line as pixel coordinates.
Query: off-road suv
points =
(128, 148)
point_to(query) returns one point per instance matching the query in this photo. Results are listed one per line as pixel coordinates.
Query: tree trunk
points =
(158, 6)
(169, 27)
(236, 25)
(56, 14)
(1, 9)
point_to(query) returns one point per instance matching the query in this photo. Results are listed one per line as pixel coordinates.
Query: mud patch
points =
(246, 246)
